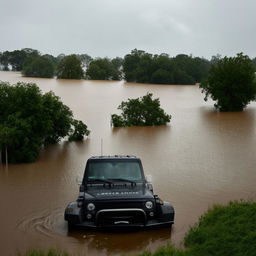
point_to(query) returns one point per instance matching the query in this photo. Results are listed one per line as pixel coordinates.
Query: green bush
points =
(104, 69)
(30, 120)
(231, 83)
(50, 252)
(143, 111)
(224, 230)
(70, 67)
(38, 67)
(168, 250)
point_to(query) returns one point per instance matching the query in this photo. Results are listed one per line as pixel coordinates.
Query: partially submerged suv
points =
(114, 193)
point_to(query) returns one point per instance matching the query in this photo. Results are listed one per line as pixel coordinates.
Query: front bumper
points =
(122, 218)
(150, 224)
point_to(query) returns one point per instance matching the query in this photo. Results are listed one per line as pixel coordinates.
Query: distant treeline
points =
(137, 66)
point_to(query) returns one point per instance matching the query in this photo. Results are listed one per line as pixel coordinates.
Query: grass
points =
(50, 252)
(225, 230)
(222, 231)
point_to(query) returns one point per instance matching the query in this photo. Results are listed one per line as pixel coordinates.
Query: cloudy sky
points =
(114, 27)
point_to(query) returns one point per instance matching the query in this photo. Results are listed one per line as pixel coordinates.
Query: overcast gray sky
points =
(114, 27)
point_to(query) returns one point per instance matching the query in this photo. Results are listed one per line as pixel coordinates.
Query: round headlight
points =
(90, 207)
(149, 205)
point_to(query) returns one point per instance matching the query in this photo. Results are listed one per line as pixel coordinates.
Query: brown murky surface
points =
(201, 158)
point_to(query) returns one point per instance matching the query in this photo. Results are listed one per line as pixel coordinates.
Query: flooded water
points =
(201, 158)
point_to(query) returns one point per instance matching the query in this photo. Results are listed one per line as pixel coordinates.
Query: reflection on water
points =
(203, 157)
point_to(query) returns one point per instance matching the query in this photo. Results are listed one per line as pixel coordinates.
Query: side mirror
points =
(78, 180)
(149, 178)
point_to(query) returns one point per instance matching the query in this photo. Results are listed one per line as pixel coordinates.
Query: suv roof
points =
(113, 157)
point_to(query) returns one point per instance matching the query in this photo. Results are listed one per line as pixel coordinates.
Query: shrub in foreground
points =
(50, 252)
(224, 230)
(142, 111)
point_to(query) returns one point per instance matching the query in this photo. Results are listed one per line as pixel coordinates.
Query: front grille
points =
(119, 204)
(117, 217)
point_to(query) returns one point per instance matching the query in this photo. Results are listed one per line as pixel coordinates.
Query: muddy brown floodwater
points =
(201, 158)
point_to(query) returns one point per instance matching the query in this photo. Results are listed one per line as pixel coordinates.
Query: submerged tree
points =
(38, 67)
(104, 69)
(231, 83)
(140, 66)
(70, 67)
(143, 111)
(15, 59)
(30, 120)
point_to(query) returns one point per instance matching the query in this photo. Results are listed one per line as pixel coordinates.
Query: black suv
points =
(114, 193)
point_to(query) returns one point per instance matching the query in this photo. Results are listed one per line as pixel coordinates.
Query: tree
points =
(138, 66)
(85, 60)
(4, 60)
(142, 111)
(16, 58)
(103, 69)
(30, 120)
(70, 67)
(231, 83)
(254, 63)
(143, 67)
(38, 67)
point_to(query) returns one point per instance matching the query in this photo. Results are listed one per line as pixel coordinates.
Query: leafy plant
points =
(142, 111)
(30, 120)
(70, 67)
(231, 83)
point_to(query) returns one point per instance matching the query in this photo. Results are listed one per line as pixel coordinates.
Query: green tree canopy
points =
(70, 67)
(103, 69)
(85, 59)
(143, 111)
(30, 120)
(16, 58)
(38, 67)
(143, 67)
(231, 83)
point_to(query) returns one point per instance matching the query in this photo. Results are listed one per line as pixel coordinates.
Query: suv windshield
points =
(115, 170)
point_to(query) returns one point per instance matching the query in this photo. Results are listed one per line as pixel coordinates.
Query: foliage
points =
(168, 250)
(104, 69)
(38, 67)
(231, 83)
(224, 230)
(118, 63)
(30, 120)
(254, 64)
(79, 130)
(85, 59)
(16, 58)
(70, 67)
(50, 252)
(142, 111)
(143, 67)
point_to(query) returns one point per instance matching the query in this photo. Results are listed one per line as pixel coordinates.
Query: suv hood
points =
(118, 192)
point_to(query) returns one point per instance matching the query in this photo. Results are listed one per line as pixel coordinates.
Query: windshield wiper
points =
(133, 183)
(101, 180)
